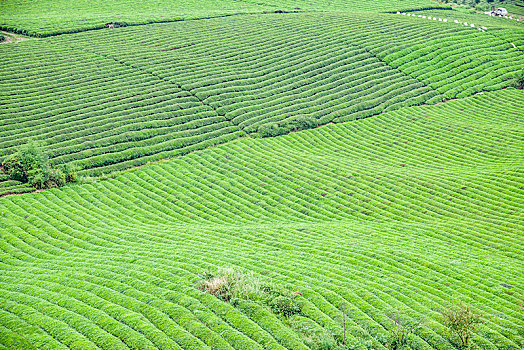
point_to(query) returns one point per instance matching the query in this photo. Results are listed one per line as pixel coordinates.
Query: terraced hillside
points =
(112, 99)
(45, 18)
(508, 29)
(408, 210)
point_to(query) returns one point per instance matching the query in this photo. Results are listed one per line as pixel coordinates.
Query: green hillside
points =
(409, 210)
(111, 99)
(261, 175)
(44, 18)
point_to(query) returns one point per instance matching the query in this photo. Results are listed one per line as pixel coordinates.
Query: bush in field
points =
(401, 330)
(231, 285)
(25, 163)
(228, 283)
(47, 177)
(518, 81)
(462, 321)
(296, 123)
(29, 164)
(69, 173)
(284, 306)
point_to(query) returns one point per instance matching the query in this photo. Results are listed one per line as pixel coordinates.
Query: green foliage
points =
(518, 81)
(228, 283)
(462, 322)
(315, 336)
(231, 285)
(70, 172)
(288, 125)
(47, 177)
(29, 164)
(26, 163)
(284, 306)
(402, 328)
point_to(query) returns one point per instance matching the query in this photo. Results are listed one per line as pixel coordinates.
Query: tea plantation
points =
(408, 210)
(46, 18)
(323, 175)
(111, 99)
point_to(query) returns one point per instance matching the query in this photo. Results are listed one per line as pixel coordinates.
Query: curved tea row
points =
(114, 99)
(409, 210)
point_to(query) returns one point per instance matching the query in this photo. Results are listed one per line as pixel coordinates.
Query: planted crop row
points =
(256, 75)
(82, 106)
(112, 99)
(409, 210)
(41, 18)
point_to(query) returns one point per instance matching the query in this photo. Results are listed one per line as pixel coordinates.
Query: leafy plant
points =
(47, 177)
(401, 330)
(228, 283)
(462, 322)
(518, 81)
(70, 172)
(295, 123)
(29, 164)
(285, 306)
(25, 163)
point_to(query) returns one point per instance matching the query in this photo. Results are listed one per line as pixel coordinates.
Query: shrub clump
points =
(296, 123)
(518, 81)
(29, 164)
(229, 285)
(401, 331)
(462, 321)
(284, 306)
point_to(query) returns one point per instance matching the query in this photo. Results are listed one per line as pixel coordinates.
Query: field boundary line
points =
(143, 70)
(82, 30)
(398, 69)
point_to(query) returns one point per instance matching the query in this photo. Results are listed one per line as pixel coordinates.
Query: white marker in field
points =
(513, 45)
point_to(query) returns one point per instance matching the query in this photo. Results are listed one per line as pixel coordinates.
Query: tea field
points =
(108, 100)
(357, 165)
(45, 18)
(409, 210)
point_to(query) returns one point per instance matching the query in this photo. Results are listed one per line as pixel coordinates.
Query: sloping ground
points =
(11, 38)
(408, 210)
(112, 99)
(507, 29)
(44, 18)
(514, 7)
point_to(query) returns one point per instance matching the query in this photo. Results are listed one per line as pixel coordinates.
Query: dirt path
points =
(12, 37)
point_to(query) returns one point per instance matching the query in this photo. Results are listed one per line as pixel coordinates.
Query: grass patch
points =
(229, 284)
